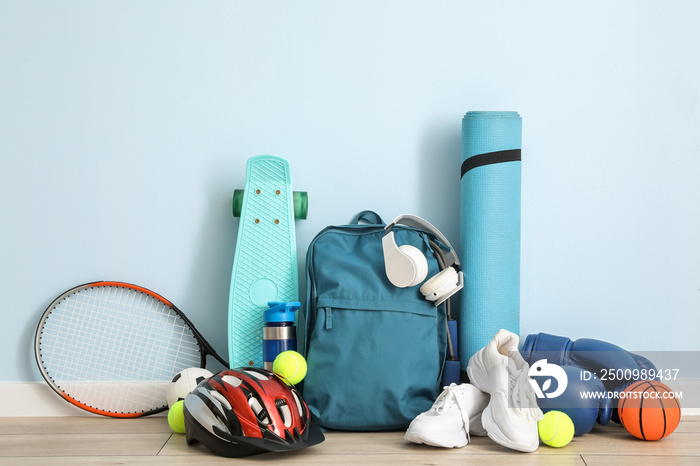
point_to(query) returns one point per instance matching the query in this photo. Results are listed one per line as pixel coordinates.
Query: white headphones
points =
(406, 265)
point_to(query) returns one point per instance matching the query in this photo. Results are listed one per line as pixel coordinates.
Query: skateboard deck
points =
(265, 261)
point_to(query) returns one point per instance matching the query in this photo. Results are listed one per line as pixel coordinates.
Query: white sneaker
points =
(512, 413)
(455, 413)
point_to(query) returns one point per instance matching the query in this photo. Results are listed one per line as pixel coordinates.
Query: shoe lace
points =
(449, 396)
(523, 397)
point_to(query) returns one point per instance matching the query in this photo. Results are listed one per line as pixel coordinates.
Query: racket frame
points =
(204, 347)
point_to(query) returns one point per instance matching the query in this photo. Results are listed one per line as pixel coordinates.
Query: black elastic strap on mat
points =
(512, 155)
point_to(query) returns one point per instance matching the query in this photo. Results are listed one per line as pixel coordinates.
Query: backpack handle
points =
(368, 216)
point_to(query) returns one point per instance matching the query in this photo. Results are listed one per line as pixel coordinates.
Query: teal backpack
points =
(375, 352)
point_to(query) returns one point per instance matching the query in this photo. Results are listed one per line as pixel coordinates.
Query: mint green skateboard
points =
(265, 261)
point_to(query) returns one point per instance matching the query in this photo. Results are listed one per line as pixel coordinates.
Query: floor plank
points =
(378, 460)
(85, 444)
(637, 460)
(82, 424)
(102, 441)
(385, 448)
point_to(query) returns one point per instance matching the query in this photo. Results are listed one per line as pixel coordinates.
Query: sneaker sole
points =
(458, 441)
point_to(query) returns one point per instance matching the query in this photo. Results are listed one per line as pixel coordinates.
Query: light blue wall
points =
(125, 127)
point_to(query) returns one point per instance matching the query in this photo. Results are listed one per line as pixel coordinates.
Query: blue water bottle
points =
(279, 333)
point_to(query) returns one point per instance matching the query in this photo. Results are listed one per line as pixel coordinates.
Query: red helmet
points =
(245, 411)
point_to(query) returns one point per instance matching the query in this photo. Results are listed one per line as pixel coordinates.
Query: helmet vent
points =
(257, 375)
(300, 410)
(220, 398)
(285, 414)
(231, 380)
(259, 411)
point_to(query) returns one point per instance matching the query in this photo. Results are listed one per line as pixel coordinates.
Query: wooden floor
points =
(98, 440)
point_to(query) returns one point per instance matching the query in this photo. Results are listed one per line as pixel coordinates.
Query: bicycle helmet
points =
(246, 411)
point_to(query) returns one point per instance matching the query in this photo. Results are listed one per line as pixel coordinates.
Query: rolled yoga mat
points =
(489, 228)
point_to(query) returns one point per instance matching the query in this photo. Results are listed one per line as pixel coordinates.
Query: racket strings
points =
(116, 348)
(132, 339)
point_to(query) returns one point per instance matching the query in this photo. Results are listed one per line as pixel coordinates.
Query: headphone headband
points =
(407, 266)
(415, 221)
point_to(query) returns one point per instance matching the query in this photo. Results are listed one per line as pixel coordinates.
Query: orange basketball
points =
(649, 410)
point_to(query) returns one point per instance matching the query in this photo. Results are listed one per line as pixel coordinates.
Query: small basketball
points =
(649, 410)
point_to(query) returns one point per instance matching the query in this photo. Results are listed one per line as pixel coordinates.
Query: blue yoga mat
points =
(490, 228)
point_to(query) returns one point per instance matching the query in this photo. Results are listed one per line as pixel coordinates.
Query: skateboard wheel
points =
(300, 201)
(237, 202)
(301, 204)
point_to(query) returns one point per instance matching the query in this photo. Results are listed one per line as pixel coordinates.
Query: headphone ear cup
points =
(420, 263)
(441, 284)
(404, 265)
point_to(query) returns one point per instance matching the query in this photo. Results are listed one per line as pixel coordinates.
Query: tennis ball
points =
(291, 366)
(176, 417)
(556, 429)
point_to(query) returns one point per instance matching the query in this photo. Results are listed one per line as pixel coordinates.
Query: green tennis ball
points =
(290, 366)
(556, 429)
(176, 417)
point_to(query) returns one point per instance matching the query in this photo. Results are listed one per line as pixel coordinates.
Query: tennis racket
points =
(112, 348)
